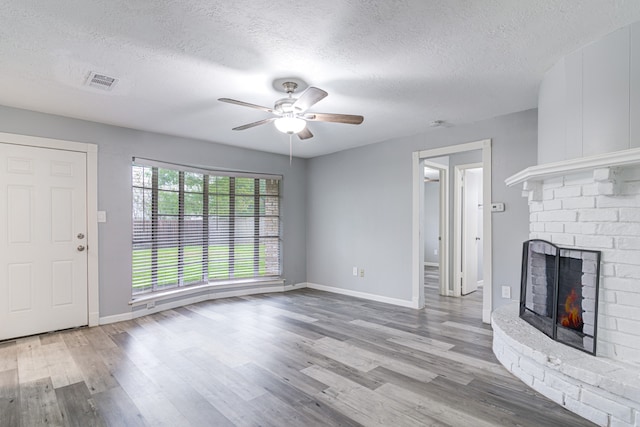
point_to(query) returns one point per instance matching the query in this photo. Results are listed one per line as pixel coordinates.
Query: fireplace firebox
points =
(559, 293)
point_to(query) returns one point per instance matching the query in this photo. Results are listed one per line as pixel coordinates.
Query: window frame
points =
(153, 285)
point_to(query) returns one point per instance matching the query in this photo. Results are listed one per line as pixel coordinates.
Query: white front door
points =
(43, 226)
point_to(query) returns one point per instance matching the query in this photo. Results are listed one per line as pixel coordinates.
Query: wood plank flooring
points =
(302, 358)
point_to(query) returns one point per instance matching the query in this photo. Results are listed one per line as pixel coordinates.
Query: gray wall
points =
(359, 207)
(117, 146)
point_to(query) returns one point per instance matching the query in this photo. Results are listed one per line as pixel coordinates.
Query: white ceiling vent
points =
(101, 81)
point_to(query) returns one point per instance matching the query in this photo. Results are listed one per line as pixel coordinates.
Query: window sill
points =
(190, 290)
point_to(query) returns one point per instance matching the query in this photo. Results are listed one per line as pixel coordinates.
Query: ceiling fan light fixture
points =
(290, 125)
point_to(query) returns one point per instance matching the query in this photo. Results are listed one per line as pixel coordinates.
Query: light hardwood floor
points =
(302, 358)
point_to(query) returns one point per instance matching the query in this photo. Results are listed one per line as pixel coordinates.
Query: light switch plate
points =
(506, 292)
(102, 216)
(497, 207)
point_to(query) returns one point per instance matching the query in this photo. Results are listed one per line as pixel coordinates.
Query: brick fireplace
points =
(591, 203)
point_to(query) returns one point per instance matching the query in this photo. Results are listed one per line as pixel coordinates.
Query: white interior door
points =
(43, 226)
(471, 205)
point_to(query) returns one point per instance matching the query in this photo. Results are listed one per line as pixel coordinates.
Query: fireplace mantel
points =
(583, 164)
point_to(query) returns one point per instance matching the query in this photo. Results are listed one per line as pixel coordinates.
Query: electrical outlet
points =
(362, 272)
(151, 305)
(506, 292)
(355, 271)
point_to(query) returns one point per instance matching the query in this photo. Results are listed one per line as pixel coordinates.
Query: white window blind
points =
(193, 226)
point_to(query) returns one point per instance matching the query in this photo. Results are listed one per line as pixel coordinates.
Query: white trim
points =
(548, 170)
(91, 150)
(418, 156)
(417, 236)
(363, 295)
(453, 149)
(213, 287)
(431, 264)
(134, 314)
(443, 226)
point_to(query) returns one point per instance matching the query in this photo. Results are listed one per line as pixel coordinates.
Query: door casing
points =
(417, 240)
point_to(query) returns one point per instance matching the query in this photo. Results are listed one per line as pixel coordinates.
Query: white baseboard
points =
(363, 295)
(196, 299)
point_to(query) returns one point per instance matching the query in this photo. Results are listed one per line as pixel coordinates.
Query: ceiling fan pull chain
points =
(290, 148)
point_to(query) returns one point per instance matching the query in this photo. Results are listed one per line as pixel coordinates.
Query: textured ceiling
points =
(400, 64)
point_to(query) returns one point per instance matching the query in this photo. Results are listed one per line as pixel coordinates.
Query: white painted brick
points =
(594, 241)
(535, 207)
(620, 284)
(525, 377)
(579, 203)
(531, 368)
(616, 202)
(621, 256)
(614, 422)
(543, 236)
(547, 195)
(610, 214)
(628, 243)
(631, 188)
(573, 191)
(554, 227)
(607, 322)
(590, 190)
(558, 216)
(552, 205)
(562, 239)
(630, 214)
(619, 411)
(609, 297)
(580, 227)
(553, 182)
(566, 385)
(628, 354)
(585, 411)
(603, 174)
(580, 178)
(536, 226)
(549, 392)
(629, 326)
(533, 217)
(619, 229)
(606, 269)
(626, 270)
(621, 311)
(622, 339)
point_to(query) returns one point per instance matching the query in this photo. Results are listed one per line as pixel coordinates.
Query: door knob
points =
(80, 248)
(80, 236)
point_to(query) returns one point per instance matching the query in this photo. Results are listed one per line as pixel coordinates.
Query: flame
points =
(572, 317)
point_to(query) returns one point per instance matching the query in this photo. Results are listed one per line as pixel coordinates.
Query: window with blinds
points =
(193, 226)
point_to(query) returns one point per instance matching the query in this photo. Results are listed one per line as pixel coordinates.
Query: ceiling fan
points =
(291, 114)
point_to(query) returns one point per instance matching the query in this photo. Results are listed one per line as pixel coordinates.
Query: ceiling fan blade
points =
(334, 118)
(246, 104)
(258, 123)
(305, 134)
(308, 98)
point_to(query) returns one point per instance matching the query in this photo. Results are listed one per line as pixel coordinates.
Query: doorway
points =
(436, 222)
(48, 278)
(419, 157)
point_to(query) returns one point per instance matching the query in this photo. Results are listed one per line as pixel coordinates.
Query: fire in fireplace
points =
(559, 292)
